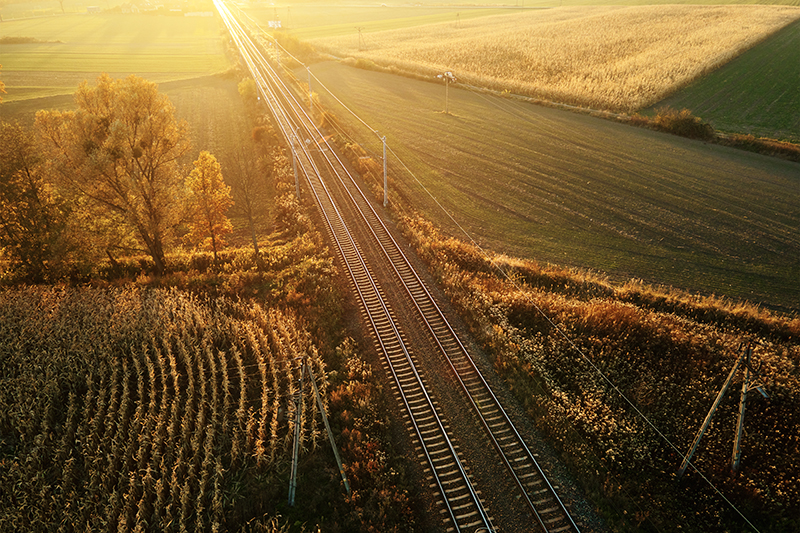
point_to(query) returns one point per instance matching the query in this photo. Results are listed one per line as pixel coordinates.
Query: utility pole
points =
(385, 180)
(362, 45)
(310, 100)
(737, 449)
(710, 414)
(296, 451)
(744, 356)
(448, 78)
(328, 428)
(298, 399)
(294, 167)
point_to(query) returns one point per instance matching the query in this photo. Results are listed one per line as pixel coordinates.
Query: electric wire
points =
(312, 75)
(571, 343)
(518, 286)
(287, 95)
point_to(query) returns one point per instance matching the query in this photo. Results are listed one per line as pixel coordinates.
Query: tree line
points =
(108, 179)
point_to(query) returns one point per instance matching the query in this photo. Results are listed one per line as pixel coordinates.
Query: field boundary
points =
(761, 145)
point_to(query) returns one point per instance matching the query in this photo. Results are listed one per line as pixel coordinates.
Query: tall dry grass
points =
(612, 57)
(547, 330)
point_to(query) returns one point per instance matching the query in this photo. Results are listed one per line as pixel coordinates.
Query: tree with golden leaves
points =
(33, 220)
(120, 150)
(209, 201)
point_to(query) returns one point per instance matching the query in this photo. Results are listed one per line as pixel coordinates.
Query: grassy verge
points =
(685, 124)
(552, 331)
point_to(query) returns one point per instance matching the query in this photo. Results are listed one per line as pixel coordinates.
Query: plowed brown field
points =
(577, 190)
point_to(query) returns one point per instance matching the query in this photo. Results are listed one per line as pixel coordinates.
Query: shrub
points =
(666, 350)
(682, 123)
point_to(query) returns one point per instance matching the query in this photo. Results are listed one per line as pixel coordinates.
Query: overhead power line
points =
(564, 335)
(560, 331)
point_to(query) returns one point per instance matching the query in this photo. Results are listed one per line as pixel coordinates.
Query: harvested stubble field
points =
(576, 190)
(73, 48)
(614, 58)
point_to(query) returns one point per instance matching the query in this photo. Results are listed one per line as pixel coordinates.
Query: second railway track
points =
(332, 186)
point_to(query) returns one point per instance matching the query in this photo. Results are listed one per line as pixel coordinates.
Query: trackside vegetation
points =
(551, 332)
(153, 388)
(619, 377)
(139, 397)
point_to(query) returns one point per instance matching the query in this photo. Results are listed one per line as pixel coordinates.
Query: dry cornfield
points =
(134, 410)
(613, 57)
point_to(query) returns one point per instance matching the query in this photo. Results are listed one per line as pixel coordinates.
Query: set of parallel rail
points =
(318, 162)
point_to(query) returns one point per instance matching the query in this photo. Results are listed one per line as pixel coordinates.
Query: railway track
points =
(324, 171)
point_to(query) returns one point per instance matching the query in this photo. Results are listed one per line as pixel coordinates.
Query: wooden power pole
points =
(744, 356)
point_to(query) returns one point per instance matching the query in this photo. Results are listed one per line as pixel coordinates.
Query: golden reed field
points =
(613, 57)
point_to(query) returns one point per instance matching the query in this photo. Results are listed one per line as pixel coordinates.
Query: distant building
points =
(93, 9)
(129, 8)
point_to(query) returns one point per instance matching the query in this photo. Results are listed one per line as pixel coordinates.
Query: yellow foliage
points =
(209, 201)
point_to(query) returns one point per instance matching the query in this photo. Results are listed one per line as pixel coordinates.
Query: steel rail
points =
(540, 495)
(370, 296)
(554, 516)
(551, 513)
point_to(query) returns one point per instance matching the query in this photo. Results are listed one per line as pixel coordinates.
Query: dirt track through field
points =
(572, 189)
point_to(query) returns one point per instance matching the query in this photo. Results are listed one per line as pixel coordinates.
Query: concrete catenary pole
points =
(385, 180)
(737, 442)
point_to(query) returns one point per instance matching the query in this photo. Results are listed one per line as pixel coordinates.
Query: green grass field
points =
(755, 93)
(79, 47)
(575, 190)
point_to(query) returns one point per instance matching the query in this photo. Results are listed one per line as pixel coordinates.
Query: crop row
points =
(134, 409)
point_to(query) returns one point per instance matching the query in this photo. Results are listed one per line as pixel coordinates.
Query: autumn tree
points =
(32, 218)
(119, 151)
(209, 201)
(249, 171)
(248, 91)
(2, 85)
